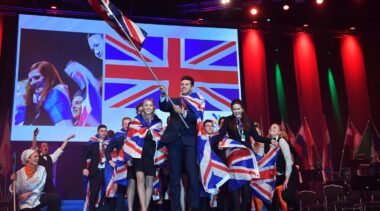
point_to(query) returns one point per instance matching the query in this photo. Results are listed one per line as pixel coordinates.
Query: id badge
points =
(243, 138)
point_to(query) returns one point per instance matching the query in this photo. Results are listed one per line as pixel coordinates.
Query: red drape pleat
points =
(355, 78)
(308, 88)
(1, 32)
(255, 76)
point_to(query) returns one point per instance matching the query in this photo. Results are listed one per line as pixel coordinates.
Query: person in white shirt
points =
(47, 160)
(29, 183)
(287, 174)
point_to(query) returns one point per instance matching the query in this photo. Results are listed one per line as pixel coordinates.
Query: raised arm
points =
(34, 142)
(67, 139)
(256, 136)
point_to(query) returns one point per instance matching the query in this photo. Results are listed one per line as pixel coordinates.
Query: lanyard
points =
(240, 129)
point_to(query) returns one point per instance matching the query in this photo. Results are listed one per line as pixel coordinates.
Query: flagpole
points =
(344, 144)
(142, 58)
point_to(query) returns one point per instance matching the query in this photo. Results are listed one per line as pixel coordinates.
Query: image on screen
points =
(74, 74)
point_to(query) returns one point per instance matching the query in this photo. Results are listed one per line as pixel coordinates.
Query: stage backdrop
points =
(101, 79)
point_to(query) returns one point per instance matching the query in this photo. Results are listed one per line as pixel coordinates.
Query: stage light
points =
(201, 19)
(225, 1)
(53, 7)
(305, 25)
(319, 1)
(352, 28)
(254, 22)
(286, 7)
(269, 20)
(254, 11)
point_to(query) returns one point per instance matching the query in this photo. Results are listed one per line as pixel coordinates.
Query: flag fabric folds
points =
(352, 139)
(213, 172)
(263, 187)
(305, 147)
(370, 142)
(326, 153)
(127, 29)
(241, 161)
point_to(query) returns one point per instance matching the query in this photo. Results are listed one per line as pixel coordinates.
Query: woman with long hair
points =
(145, 131)
(47, 98)
(286, 172)
(239, 128)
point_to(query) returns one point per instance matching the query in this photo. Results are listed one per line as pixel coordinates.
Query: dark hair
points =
(207, 120)
(101, 126)
(220, 119)
(110, 133)
(126, 118)
(189, 78)
(78, 93)
(244, 117)
(138, 106)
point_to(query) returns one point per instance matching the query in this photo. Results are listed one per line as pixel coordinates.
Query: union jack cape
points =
(241, 162)
(214, 173)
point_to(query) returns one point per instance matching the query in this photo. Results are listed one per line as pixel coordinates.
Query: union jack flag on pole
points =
(128, 30)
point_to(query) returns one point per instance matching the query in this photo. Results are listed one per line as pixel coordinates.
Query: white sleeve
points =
(56, 154)
(287, 156)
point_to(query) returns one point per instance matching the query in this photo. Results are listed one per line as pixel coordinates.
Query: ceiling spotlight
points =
(352, 28)
(319, 1)
(285, 7)
(269, 20)
(254, 11)
(201, 19)
(225, 1)
(305, 25)
(254, 22)
(53, 7)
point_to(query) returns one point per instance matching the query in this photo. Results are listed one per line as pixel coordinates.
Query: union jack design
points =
(241, 162)
(214, 173)
(128, 82)
(263, 187)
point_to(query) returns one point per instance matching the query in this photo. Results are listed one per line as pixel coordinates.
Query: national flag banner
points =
(119, 22)
(213, 172)
(263, 187)
(305, 147)
(291, 137)
(213, 64)
(241, 162)
(351, 140)
(326, 153)
(370, 142)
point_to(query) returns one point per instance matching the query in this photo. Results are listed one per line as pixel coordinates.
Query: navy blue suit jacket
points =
(176, 129)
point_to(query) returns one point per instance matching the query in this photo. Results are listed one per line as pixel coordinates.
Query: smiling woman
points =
(47, 98)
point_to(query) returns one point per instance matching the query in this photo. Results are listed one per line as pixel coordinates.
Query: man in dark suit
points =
(182, 144)
(95, 151)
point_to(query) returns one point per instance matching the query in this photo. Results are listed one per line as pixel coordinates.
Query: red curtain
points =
(255, 76)
(1, 32)
(308, 88)
(355, 79)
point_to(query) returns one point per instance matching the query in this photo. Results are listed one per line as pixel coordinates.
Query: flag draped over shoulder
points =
(263, 187)
(304, 146)
(370, 142)
(119, 22)
(241, 162)
(214, 173)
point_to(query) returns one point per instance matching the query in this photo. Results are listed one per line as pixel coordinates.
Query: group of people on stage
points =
(142, 144)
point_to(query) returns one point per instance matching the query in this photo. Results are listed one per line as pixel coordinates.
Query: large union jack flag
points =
(212, 63)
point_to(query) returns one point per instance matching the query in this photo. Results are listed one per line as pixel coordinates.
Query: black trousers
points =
(246, 196)
(50, 200)
(96, 182)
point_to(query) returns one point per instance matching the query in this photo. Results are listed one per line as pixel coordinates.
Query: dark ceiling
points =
(331, 15)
